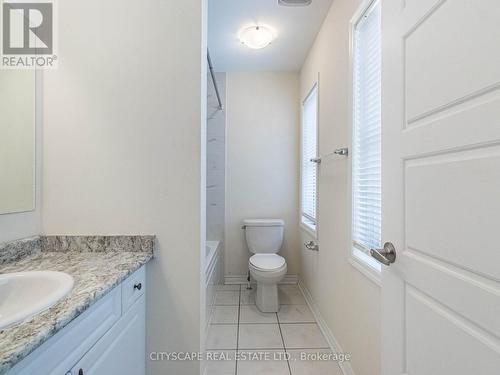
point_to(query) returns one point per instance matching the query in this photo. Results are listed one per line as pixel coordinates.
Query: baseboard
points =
(330, 338)
(242, 279)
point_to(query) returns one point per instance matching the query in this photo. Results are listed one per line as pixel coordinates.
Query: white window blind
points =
(309, 151)
(366, 168)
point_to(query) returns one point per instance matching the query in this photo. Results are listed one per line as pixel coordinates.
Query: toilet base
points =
(267, 298)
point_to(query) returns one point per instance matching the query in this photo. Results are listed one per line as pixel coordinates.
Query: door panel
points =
(458, 290)
(455, 185)
(441, 184)
(451, 53)
(467, 349)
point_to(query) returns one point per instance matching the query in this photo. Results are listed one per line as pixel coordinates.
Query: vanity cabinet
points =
(121, 350)
(108, 338)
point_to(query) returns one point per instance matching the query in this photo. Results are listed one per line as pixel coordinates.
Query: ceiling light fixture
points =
(295, 3)
(256, 37)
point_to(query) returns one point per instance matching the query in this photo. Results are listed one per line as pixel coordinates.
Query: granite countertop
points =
(97, 265)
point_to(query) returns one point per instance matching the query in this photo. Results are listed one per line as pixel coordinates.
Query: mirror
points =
(17, 141)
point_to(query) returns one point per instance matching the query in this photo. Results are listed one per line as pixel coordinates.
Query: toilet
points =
(264, 238)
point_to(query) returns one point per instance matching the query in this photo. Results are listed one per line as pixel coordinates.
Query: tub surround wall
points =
(216, 187)
(262, 162)
(347, 300)
(216, 159)
(95, 273)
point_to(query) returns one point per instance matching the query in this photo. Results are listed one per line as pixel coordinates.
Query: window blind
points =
(309, 151)
(366, 170)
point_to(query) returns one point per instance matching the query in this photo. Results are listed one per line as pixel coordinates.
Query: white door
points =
(441, 187)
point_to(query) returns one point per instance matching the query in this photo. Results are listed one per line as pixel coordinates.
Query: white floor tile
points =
(295, 314)
(251, 314)
(299, 336)
(247, 296)
(221, 363)
(225, 315)
(260, 336)
(222, 337)
(313, 362)
(262, 363)
(290, 295)
(227, 298)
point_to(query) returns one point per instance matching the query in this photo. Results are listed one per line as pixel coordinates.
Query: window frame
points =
(310, 228)
(358, 259)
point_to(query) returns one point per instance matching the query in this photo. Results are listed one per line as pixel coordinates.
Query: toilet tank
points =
(264, 235)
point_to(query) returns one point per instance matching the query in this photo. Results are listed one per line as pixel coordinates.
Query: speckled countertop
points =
(97, 264)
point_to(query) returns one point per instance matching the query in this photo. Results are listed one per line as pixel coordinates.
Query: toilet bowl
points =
(264, 238)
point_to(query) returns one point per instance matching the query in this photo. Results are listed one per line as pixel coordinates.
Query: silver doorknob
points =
(386, 256)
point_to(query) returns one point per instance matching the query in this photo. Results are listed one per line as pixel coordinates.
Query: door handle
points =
(386, 256)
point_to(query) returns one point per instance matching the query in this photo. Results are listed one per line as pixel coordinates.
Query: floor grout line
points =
(283, 342)
(240, 304)
(271, 349)
(237, 333)
(322, 348)
(260, 350)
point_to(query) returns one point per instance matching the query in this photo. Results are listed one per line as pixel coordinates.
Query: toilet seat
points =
(267, 262)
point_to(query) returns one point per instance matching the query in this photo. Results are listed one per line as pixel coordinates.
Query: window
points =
(309, 169)
(366, 142)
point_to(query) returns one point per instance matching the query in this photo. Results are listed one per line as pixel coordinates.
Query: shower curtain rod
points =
(212, 74)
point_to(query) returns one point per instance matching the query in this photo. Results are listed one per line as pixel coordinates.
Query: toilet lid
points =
(267, 261)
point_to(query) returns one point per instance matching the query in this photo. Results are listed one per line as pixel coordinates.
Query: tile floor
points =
(283, 343)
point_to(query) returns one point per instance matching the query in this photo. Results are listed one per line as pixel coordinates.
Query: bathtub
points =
(211, 249)
(213, 274)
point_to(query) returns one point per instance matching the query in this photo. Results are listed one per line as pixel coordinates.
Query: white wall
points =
(216, 159)
(262, 161)
(348, 301)
(124, 145)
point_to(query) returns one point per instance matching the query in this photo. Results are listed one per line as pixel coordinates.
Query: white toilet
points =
(264, 239)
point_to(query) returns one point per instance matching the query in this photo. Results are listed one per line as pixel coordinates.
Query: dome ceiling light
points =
(295, 3)
(256, 37)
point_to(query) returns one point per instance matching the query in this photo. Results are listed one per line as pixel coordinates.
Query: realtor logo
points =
(28, 34)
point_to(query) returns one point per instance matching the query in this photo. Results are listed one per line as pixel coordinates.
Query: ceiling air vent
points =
(295, 3)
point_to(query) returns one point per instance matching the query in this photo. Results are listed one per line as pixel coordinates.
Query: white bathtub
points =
(213, 274)
(211, 247)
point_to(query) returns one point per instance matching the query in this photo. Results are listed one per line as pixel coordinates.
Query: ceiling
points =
(295, 29)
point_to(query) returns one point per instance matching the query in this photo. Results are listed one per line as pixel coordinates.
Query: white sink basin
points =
(25, 294)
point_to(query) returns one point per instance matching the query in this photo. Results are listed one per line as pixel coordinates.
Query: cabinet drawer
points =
(133, 287)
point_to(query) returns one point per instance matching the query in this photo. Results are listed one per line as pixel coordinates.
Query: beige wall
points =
(262, 161)
(124, 147)
(348, 301)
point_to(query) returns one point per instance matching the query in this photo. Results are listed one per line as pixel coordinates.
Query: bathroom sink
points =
(24, 294)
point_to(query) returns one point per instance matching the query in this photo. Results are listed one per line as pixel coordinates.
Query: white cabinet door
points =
(441, 186)
(121, 350)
